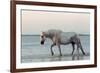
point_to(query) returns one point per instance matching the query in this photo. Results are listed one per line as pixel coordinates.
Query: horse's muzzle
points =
(42, 42)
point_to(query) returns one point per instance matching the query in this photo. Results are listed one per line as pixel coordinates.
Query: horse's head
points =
(42, 38)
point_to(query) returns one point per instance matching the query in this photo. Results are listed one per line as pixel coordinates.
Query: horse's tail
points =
(80, 46)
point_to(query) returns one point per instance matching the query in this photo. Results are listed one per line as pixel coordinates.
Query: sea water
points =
(33, 51)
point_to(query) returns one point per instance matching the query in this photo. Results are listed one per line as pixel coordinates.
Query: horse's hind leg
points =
(73, 45)
(80, 46)
(51, 49)
(82, 49)
(59, 50)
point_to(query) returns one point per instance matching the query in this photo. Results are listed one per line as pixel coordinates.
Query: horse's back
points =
(53, 31)
(66, 36)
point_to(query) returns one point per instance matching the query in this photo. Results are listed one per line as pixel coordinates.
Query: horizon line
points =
(39, 34)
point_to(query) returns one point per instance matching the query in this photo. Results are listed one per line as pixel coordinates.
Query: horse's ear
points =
(43, 33)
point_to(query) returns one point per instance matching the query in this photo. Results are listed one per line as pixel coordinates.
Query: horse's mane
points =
(54, 31)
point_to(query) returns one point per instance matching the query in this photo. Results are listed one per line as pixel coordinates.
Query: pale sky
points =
(33, 22)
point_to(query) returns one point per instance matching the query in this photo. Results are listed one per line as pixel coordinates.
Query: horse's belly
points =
(65, 41)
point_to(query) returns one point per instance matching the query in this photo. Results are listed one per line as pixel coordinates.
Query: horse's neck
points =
(49, 35)
(54, 37)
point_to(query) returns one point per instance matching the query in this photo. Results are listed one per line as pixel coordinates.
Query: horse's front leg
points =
(51, 48)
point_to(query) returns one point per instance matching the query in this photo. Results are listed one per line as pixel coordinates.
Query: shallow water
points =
(33, 51)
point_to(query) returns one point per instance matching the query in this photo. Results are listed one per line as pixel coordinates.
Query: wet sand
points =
(50, 58)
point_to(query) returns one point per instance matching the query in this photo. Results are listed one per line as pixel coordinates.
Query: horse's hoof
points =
(52, 54)
(83, 53)
(60, 54)
(71, 54)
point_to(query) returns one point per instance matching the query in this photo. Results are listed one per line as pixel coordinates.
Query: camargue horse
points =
(62, 38)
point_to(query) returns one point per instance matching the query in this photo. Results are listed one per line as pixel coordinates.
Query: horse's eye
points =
(41, 36)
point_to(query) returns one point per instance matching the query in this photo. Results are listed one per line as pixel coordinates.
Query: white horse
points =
(62, 38)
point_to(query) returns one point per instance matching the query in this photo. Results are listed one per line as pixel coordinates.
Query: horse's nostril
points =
(42, 42)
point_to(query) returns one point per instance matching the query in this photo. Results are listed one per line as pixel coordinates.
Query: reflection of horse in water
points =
(62, 38)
